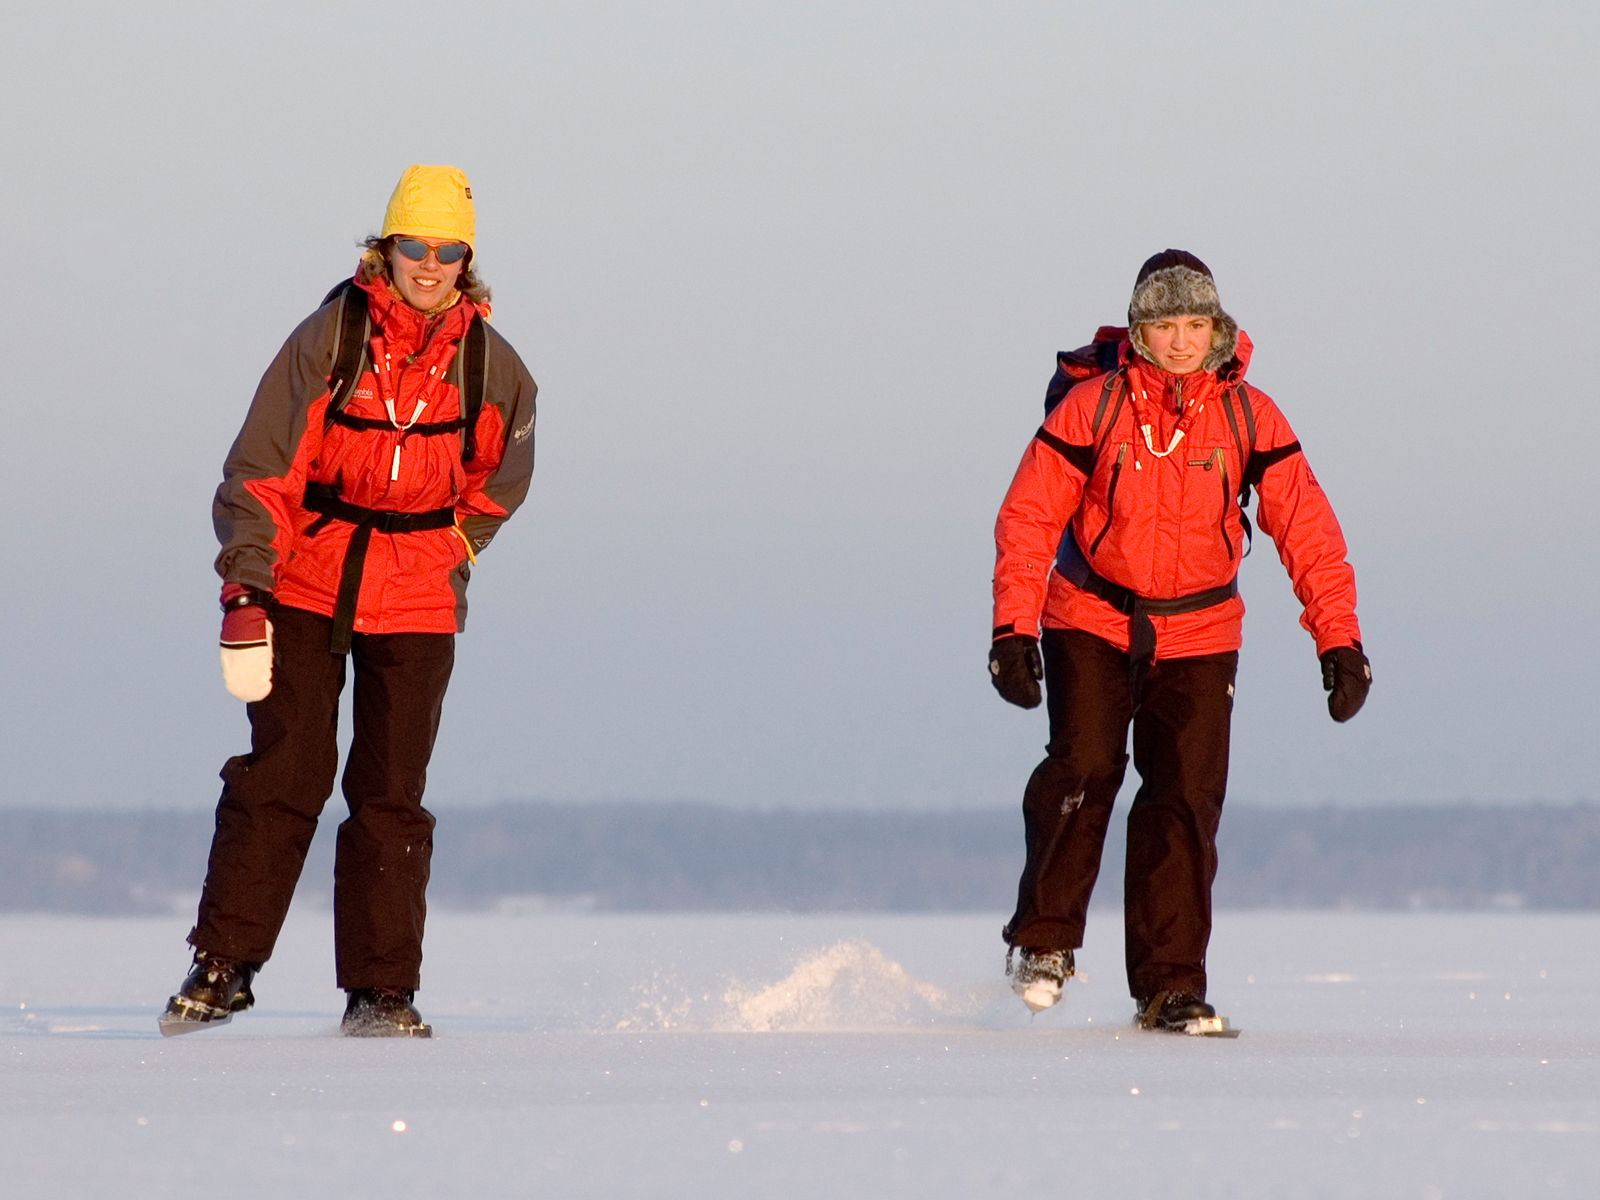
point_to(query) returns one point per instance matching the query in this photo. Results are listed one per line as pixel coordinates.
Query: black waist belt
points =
(1129, 603)
(324, 498)
(1139, 609)
(1072, 566)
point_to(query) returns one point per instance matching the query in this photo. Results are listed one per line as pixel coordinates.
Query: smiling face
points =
(1178, 344)
(427, 283)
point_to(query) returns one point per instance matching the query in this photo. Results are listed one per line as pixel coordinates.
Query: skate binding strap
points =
(185, 1015)
(1150, 1018)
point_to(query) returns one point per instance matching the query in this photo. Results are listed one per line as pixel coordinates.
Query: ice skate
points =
(1179, 1012)
(1039, 975)
(383, 1012)
(215, 989)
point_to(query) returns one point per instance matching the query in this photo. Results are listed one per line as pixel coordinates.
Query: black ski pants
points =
(1180, 720)
(272, 797)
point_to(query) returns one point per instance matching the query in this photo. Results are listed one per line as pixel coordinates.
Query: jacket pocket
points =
(1111, 499)
(1217, 462)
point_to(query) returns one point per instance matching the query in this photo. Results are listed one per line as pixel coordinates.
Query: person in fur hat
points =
(389, 440)
(1117, 554)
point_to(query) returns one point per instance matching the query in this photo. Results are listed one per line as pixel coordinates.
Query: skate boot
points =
(216, 988)
(1039, 975)
(382, 1012)
(1181, 1012)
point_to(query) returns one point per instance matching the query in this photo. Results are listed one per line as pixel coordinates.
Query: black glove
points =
(1016, 670)
(1346, 676)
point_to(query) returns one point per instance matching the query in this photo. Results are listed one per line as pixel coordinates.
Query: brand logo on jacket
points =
(521, 435)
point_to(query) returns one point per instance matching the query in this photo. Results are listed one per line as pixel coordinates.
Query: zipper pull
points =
(394, 471)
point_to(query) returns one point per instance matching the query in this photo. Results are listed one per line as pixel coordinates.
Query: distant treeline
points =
(698, 857)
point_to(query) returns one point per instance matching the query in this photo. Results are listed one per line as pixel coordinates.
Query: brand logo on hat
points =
(469, 193)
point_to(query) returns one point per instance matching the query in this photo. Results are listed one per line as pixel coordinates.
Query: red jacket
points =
(1173, 526)
(413, 582)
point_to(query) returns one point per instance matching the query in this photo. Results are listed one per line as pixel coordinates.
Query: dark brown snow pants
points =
(272, 797)
(1180, 749)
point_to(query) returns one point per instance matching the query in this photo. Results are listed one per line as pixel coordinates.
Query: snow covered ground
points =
(1418, 1056)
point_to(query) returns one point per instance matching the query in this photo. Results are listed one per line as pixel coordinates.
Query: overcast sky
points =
(792, 278)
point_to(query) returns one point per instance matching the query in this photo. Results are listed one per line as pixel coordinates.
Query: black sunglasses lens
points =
(417, 250)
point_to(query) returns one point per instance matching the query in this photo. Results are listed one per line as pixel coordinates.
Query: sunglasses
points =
(417, 250)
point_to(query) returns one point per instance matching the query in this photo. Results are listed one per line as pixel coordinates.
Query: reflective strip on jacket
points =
(413, 582)
(1170, 526)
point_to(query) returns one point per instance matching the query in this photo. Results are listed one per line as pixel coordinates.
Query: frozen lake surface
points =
(1421, 1056)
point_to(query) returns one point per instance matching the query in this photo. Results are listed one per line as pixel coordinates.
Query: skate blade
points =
(1209, 1027)
(1040, 996)
(387, 1031)
(172, 1025)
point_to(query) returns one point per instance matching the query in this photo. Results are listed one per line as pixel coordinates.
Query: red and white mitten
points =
(246, 643)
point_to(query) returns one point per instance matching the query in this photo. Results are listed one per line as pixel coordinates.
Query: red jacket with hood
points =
(413, 582)
(1164, 525)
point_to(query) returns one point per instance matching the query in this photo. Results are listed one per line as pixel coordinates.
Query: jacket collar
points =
(404, 329)
(1160, 384)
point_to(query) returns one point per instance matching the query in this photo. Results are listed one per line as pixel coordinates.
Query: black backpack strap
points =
(1255, 462)
(474, 372)
(336, 291)
(351, 329)
(1106, 388)
(1245, 444)
(1249, 422)
(1244, 447)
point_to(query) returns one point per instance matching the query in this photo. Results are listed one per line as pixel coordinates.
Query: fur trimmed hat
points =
(1176, 283)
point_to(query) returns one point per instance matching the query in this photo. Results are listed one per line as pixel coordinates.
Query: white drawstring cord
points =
(394, 470)
(1176, 437)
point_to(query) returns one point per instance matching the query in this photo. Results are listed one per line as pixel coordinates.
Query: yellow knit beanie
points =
(431, 202)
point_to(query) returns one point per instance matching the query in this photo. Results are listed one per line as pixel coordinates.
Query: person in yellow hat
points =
(387, 443)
